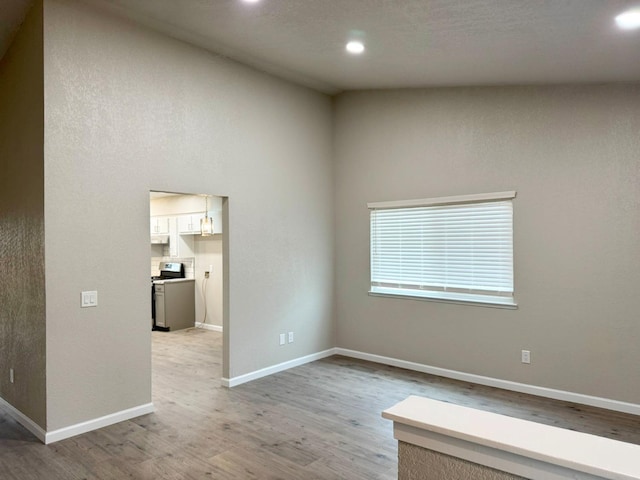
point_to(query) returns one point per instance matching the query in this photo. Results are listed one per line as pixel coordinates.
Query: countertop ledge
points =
(582, 452)
(173, 280)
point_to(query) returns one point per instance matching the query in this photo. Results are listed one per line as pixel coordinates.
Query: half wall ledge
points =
(439, 440)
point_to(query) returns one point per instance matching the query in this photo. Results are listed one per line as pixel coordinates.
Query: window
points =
(455, 249)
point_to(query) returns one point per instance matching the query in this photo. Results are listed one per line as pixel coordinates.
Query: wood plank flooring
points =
(318, 421)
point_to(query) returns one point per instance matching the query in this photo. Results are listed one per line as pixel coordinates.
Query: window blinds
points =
(464, 247)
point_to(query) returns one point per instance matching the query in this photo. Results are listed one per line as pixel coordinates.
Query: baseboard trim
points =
(206, 326)
(600, 402)
(579, 398)
(23, 420)
(96, 423)
(296, 362)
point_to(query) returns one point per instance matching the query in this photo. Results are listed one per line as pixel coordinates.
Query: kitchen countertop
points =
(173, 280)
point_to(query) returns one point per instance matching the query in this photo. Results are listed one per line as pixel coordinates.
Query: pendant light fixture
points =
(206, 223)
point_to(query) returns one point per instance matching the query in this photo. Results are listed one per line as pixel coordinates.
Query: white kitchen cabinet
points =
(160, 225)
(216, 217)
(189, 224)
(174, 250)
(180, 246)
(215, 212)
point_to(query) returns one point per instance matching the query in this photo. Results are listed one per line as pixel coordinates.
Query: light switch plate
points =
(89, 299)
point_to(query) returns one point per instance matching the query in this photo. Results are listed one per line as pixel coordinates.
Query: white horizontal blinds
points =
(458, 248)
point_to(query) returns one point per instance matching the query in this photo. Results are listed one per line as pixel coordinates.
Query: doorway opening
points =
(188, 265)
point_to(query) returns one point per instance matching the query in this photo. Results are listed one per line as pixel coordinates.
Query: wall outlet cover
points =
(89, 299)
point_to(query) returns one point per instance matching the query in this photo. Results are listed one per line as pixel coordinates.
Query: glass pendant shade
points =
(206, 226)
(206, 223)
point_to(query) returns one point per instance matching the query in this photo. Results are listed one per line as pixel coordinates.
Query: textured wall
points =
(571, 153)
(417, 463)
(128, 111)
(22, 293)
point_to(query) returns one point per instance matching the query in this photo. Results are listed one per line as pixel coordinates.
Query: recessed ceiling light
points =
(355, 47)
(629, 19)
(250, 1)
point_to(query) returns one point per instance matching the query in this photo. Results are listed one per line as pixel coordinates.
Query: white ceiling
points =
(410, 43)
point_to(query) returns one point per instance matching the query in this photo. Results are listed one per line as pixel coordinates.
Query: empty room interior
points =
(314, 136)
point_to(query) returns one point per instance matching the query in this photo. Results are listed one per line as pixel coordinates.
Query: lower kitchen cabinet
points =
(175, 304)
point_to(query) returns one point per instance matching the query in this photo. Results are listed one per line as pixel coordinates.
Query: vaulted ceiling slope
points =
(409, 43)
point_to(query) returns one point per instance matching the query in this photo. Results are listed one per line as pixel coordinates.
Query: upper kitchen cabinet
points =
(160, 225)
(216, 217)
(215, 212)
(190, 224)
(183, 213)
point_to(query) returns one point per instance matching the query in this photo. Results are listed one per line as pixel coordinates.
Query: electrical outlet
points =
(206, 274)
(526, 356)
(11, 375)
(290, 337)
(282, 342)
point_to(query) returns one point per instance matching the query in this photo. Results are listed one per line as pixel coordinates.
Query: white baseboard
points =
(23, 420)
(207, 326)
(600, 402)
(96, 423)
(235, 381)
(563, 395)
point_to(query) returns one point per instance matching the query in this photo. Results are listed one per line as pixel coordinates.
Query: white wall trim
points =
(207, 326)
(96, 423)
(23, 420)
(580, 398)
(562, 395)
(280, 367)
(427, 202)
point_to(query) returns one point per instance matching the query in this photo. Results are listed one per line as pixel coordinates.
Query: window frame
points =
(457, 297)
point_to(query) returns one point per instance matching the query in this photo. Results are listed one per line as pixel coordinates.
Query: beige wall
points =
(417, 463)
(571, 153)
(208, 251)
(22, 294)
(128, 111)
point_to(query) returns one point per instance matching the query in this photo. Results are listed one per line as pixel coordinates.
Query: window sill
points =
(446, 297)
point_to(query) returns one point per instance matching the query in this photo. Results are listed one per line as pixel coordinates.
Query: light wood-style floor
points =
(318, 421)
